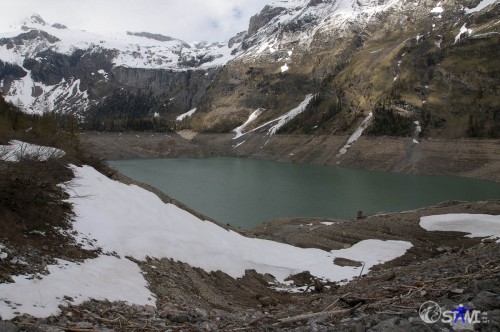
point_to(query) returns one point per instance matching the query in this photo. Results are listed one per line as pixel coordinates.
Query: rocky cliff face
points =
(405, 61)
(426, 61)
(46, 67)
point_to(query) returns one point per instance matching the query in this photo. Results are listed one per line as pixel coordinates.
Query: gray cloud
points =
(190, 20)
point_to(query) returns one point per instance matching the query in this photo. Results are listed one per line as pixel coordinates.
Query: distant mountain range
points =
(404, 61)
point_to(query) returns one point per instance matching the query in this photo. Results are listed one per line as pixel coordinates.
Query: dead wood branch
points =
(318, 314)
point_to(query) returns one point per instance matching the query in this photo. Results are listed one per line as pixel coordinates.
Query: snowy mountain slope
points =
(137, 50)
(415, 57)
(297, 21)
(62, 83)
(428, 61)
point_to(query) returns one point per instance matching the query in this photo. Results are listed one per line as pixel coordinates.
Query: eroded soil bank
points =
(472, 158)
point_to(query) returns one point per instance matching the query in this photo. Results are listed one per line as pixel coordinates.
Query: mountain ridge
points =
(363, 69)
(291, 49)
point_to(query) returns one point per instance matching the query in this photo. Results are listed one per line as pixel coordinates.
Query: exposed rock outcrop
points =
(405, 62)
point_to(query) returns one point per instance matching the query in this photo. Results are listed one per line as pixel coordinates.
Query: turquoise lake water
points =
(248, 192)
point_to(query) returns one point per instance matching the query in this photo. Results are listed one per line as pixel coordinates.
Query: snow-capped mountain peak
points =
(133, 49)
(37, 45)
(289, 21)
(34, 19)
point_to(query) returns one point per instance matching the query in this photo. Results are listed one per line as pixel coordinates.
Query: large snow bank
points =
(477, 225)
(129, 220)
(132, 221)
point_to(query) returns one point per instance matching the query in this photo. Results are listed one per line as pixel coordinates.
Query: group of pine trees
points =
(124, 110)
(49, 128)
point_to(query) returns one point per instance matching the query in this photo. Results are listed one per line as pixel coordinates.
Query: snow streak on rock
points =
(483, 4)
(285, 118)
(188, 114)
(354, 137)
(239, 130)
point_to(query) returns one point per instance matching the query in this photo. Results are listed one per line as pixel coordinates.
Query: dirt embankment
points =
(464, 157)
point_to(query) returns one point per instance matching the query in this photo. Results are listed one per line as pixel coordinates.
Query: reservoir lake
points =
(248, 192)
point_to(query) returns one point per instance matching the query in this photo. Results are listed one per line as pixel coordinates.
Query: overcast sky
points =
(190, 20)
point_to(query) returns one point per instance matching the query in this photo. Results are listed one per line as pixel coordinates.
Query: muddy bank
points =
(472, 158)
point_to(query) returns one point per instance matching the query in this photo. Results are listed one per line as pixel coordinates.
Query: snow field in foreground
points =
(133, 221)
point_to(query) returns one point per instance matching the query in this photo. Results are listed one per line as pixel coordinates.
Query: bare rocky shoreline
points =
(472, 158)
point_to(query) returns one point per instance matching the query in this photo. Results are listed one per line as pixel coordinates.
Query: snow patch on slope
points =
(239, 130)
(285, 118)
(188, 114)
(357, 134)
(463, 30)
(477, 225)
(483, 4)
(437, 10)
(104, 278)
(17, 150)
(21, 92)
(418, 130)
(103, 73)
(66, 94)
